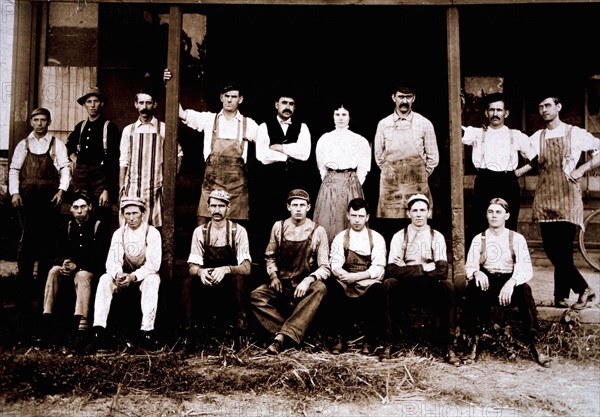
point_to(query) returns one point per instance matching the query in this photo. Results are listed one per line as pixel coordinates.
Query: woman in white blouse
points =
(343, 160)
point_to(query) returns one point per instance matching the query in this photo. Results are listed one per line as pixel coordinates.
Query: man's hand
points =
(58, 197)
(276, 147)
(303, 287)
(67, 267)
(482, 280)
(104, 201)
(506, 292)
(348, 277)
(166, 75)
(205, 275)
(219, 273)
(123, 280)
(429, 267)
(16, 200)
(275, 282)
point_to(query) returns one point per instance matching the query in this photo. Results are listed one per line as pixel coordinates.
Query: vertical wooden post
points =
(456, 150)
(170, 146)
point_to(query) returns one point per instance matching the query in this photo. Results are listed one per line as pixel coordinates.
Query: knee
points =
(54, 273)
(319, 287)
(151, 282)
(105, 281)
(83, 278)
(389, 284)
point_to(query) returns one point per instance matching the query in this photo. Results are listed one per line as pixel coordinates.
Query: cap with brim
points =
(220, 195)
(40, 110)
(133, 201)
(92, 91)
(417, 197)
(298, 193)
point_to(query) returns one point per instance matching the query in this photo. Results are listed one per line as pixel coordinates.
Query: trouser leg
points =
(390, 289)
(104, 295)
(51, 289)
(149, 288)
(83, 290)
(523, 299)
(295, 326)
(262, 303)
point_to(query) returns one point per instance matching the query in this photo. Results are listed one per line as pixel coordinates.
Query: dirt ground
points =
(415, 386)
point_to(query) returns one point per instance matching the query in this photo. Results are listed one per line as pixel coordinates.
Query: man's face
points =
(218, 209)
(133, 216)
(80, 209)
(358, 219)
(496, 113)
(231, 100)
(341, 118)
(403, 101)
(418, 213)
(92, 106)
(548, 109)
(496, 216)
(285, 107)
(298, 208)
(40, 123)
(145, 104)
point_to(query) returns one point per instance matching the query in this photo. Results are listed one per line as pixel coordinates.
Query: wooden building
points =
(353, 49)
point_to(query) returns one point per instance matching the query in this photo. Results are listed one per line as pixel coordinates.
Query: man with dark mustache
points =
(141, 159)
(406, 151)
(283, 145)
(495, 155)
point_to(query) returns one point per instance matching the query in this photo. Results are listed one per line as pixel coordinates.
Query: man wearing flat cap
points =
(417, 273)
(226, 134)
(219, 261)
(297, 262)
(93, 148)
(133, 259)
(37, 179)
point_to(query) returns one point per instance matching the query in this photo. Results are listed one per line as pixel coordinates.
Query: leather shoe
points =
(387, 352)
(452, 358)
(587, 296)
(539, 357)
(275, 347)
(561, 303)
(337, 347)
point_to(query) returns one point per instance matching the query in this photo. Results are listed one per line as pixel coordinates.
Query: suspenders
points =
(482, 254)
(230, 235)
(104, 136)
(405, 245)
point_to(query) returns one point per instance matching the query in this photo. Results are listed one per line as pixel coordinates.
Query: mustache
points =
(145, 111)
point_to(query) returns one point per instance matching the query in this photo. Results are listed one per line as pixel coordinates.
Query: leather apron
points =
(294, 259)
(215, 256)
(403, 174)
(145, 173)
(356, 263)
(225, 170)
(556, 198)
(38, 177)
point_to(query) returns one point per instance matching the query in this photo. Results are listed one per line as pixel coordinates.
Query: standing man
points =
(498, 267)
(225, 150)
(38, 177)
(133, 259)
(557, 205)
(93, 148)
(358, 259)
(81, 255)
(141, 159)
(283, 146)
(406, 151)
(495, 155)
(417, 272)
(219, 262)
(297, 260)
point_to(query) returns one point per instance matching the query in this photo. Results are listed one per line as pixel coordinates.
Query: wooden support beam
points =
(456, 150)
(170, 146)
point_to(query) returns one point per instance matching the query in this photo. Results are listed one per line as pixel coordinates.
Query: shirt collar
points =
(284, 122)
(153, 122)
(238, 116)
(408, 117)
(46, 138)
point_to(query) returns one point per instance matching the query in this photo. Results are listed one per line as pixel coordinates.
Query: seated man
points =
(219, 259)
(498, 267)
(358, 264)
(417, 274)
(133, 259)
(82, 251)
(297, 261)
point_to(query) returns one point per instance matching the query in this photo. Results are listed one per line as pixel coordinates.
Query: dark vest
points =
(276, 134)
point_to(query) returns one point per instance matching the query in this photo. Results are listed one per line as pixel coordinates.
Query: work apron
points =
(556, 198)
(38, 178)
(294, 259)
(215, 256)
(225, 170)
(403, 174)
(145, 173)
(356, 263)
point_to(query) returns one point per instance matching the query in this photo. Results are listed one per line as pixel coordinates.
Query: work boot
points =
(387, 352)
(586, 296)
(539, 357)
